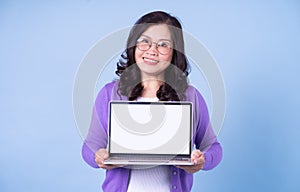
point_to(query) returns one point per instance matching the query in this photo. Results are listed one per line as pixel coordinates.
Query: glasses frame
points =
(150, 43)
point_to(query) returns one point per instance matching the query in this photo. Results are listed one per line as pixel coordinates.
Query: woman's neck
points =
(151, 86)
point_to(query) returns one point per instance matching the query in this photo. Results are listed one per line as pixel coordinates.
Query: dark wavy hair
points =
(175, 75)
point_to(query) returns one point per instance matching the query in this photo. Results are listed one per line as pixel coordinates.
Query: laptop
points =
(150, 133)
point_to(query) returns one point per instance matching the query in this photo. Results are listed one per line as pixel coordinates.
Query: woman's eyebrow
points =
(158, 39)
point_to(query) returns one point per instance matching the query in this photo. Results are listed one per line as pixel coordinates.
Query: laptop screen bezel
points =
(190, 104)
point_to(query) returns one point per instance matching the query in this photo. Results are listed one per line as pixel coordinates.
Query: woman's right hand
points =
(100, 156)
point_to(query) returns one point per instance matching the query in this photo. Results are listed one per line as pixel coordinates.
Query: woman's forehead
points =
(158, 32)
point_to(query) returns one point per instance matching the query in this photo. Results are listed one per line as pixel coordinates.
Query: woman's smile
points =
(150, 61)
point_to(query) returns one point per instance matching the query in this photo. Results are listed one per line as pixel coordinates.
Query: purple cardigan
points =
(117, 179)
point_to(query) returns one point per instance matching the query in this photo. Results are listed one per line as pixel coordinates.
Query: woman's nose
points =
(153, 49)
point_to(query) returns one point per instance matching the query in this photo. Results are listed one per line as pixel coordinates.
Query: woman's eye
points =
(163, 44)
(143, 41)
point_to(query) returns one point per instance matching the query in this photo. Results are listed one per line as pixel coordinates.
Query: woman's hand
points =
(198, 159)
(100, 156)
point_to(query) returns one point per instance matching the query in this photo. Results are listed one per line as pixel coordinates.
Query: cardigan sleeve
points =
(204, 137)
(97, 134)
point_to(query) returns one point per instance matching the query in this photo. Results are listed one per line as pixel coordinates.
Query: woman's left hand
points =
(198, 159)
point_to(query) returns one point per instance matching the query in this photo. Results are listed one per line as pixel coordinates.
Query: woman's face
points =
(157, 58)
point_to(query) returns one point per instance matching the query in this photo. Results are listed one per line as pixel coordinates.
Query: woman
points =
(153, 68)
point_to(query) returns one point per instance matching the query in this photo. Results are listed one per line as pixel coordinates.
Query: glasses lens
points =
(143, 44)
(164, 47)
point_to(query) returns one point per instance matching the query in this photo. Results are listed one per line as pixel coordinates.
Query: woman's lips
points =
(150, 61)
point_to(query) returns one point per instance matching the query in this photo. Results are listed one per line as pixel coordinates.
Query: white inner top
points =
(153, 179)
(148, 99)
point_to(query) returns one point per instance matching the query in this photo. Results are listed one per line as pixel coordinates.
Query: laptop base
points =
(120, 161)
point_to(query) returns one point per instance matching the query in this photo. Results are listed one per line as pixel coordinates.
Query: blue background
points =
(256, 45)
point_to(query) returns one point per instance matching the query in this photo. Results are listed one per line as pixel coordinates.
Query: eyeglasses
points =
(163, 47)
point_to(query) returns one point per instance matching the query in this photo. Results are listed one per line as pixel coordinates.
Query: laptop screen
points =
(150, 128)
